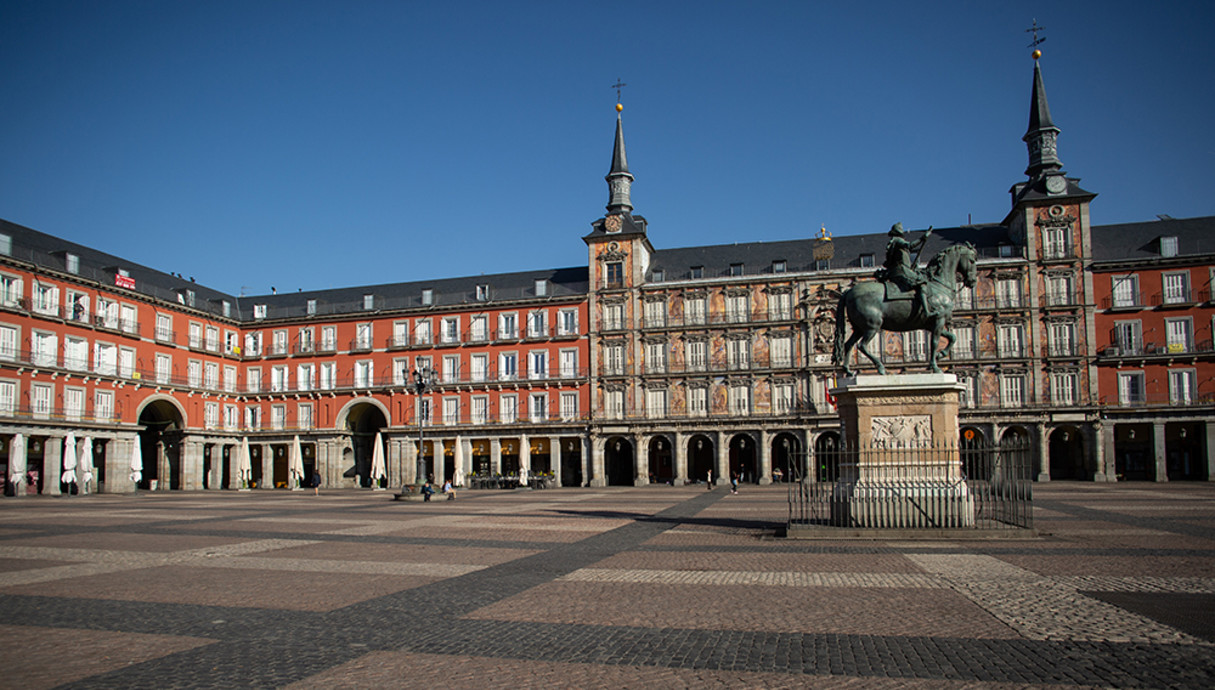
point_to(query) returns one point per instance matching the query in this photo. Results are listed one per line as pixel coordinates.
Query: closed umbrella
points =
(244, 466)
(16, 464)
(457, 477)
(85, 460)
(377, 463)
(523, 476)
(136, 462)
(295, 464)
(69, 460)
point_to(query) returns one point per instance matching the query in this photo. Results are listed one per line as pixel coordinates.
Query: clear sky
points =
(304, 144)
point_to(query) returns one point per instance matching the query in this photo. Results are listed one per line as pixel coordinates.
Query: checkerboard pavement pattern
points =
(596, 588)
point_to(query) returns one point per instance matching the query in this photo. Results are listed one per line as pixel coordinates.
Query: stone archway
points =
(363, 421)
(160, 443)
(661, 464)
(744, 461)
(1066, 453)
(788, 461)
(976, 463)
(827, 456)
(619, 463)
(700, 457)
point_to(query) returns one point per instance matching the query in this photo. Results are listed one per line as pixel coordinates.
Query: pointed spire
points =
(1042, 136)
(619, 179)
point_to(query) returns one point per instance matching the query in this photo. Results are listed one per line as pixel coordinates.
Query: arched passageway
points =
(788, 461)
(700, 457)
(363, 421)
(827, 457)
(661, 466)
(161, 434)
(618, 461)
(744, 463)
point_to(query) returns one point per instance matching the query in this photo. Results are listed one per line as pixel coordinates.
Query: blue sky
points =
(309, 145)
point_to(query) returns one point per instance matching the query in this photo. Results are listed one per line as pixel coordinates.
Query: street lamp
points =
(422, 381)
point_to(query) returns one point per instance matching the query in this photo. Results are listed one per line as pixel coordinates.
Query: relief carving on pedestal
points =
(905, 431)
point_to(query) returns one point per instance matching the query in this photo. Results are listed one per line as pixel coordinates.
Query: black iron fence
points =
(946, 487)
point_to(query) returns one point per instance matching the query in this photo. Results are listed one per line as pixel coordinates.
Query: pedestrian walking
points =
(316, 483)
(709, 480)
(734, 483)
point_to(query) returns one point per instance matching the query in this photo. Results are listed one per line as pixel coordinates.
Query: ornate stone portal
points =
(901, 468)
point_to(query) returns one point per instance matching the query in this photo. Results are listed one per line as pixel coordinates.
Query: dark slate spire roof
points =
(619, 179)
(1042, 136)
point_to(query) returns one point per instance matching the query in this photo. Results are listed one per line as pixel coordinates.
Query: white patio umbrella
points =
(69, 460)
(85, 460)
(378, 471)
(295, 464)
(136, 462)
(244, 466)
(522, 476)
(16, 464)
(457, 476)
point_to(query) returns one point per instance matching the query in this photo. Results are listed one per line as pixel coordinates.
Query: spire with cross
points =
(1037, 39)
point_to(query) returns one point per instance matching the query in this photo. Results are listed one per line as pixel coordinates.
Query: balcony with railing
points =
(714, 318)
(1143, 400)
(1128, 301)
(1061, 298)
(1178, 297)
(1139, 349)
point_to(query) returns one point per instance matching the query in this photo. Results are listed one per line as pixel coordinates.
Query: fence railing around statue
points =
(949, 487)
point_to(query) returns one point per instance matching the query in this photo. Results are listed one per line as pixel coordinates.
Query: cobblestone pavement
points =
(596, 588)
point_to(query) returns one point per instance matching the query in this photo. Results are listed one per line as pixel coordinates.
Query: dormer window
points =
(780, 266)
(697, 272)
(822, 264)
(866, 261)
(72, 263)
(541, 287)
(1168, 246)
(6, 245)
(483, 293)
(736, 269)
(614, 274)
(368, 302)
(1006, 251)
(658, 275)
(259, 311)
(428, 297)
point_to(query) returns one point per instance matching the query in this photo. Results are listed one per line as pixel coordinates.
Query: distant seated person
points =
(449, 490)
(427, 491)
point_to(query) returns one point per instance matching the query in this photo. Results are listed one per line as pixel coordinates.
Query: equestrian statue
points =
(904, 298)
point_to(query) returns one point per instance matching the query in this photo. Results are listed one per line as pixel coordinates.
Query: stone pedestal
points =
(901, 467)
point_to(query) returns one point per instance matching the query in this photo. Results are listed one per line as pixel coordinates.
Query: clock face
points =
(1056, 184)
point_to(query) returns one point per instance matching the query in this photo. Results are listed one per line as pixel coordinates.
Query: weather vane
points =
(1034, 30)
(618, 86)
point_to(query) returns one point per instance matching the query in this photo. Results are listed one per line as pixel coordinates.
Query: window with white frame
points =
(231, 343)
(230, 379)
(613, 404)
(508, 366)
(362, 336)
(46, 298)
(9, 336)
(1061, 339)
(253, 380)
(326, 376)
(1176, 287)
(537, 324)
(75, 353)
(969, 396)
(278, 417)
(656, 313)
(253, 417)
(567, 322)
(915, 346)
(568, 363)
(1011, 340)
(424, 410)
(482, 292)
(737, 309)
(78, 307)
(364, 373)
(537, 364)
(253, 343)
(698, 401)
(569, 406)
(480, 409)
(164, 368)
(451, 329)
(780, 349)
(259, 311)
(212, 339)
(740, 399)
(1179, 334)
(8, 397)
(695, 310)
(1126, 291)
(1064, 388)
(194, 337)
(400, 372)
(103, 405)
(42, 348)
(508, 326)
(1183, 386)
(613, 316)
(231, 417)
(538, 411)
(309, 307)
(211, 415)
(451, 368)
(613, 359)
(964, 298)
(41, 397)
(307, 340)
(130, 324)
(451, 410)
(1128, 336)
(1012, 390)
(1168, 246)
(1131, 390)
(328, 338)
(964, 342)
(1008, 292)
(368, 302)
(105, 359)
(508, 409)
(478, 328)
(278, 379)
(73, 403)
(1055, 242)
(739, 352)
(613, 274)
(305, 376)
(211, 376)
(656, 403)
(478, 366)
(11, 292)
(782, 398)
(400, 334)
(656, 357)
(428, 297)
(1059, 290)
(697, 353)
(780, 306)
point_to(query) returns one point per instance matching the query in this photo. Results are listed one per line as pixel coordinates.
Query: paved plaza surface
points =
(596, 588)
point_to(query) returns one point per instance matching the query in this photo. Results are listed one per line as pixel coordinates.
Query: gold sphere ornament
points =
(1037, 54)
(619, 107)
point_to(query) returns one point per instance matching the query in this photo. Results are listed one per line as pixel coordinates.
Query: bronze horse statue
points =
(865, 306)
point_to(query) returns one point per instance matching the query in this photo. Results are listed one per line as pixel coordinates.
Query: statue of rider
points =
(900, 268)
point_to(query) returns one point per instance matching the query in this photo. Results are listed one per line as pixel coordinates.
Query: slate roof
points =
(1141, 241)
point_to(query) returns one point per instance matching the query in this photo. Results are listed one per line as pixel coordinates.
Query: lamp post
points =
(423, 380)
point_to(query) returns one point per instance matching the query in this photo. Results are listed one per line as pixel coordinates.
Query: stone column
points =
(162, 467)
(584, 458)
(495, 456)
(52, 465)
(1095, 439)
(1108, 447)
(267, 466)
(555, 453)
(765, 457)
(596, 449)
(191, 464)
(641, 460)
(1042, 451)
(117, 466)
(1162, 469)
(438, 460)
(722, 470)
(1210, 429)
(679, 457)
